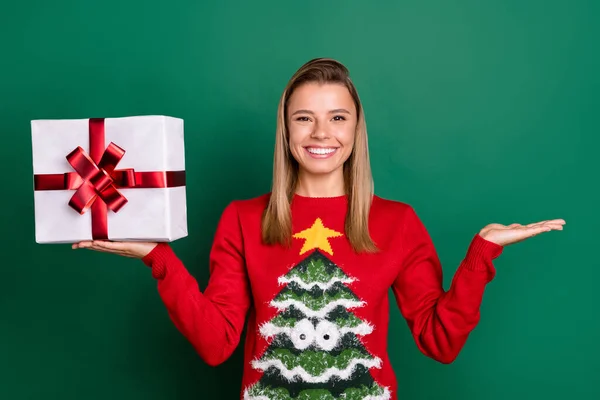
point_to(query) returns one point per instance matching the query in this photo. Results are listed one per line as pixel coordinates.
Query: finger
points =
(89, 245)
(558, 227)
(82, 245)
(108, 248)
(548, 221)
(536, 230)
(98, 244)
(550, 226)
(534, 224)
(108, 245)
(111, 251)
(101, 249)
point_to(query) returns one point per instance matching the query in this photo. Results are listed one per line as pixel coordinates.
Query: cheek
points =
(297, 135)
(295, 141)
(346, 137)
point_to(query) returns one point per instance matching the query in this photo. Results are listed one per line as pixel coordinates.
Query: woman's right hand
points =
(126, 249)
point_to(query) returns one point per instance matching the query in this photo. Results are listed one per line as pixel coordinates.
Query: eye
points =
(327, 335)
(339, 118)
(303, 334)
(303, 119)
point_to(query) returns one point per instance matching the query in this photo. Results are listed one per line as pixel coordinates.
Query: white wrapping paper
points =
(151, 143)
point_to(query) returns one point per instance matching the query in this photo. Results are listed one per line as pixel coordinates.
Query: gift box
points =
(120, 179)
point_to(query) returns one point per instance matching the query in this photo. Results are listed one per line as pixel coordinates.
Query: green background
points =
(477, 112)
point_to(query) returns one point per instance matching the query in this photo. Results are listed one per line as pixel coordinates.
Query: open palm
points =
(504, 235)
(126, 249)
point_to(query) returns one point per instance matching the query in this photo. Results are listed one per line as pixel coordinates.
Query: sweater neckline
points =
(320, 198)
(320, 201)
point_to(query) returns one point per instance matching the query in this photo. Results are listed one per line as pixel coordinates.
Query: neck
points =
(325, 185)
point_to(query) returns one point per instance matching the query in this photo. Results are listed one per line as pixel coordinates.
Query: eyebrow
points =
(336, 111)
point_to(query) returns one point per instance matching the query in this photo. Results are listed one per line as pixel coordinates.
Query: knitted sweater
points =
(317, 311)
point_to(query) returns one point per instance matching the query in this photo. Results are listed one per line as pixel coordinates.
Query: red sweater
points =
(318, 312)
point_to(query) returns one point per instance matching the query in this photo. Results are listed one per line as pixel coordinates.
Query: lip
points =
(321, 156)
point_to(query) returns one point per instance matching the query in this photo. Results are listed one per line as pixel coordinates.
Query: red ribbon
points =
(96, 179)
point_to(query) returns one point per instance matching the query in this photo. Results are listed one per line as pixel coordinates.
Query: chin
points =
(320, 169)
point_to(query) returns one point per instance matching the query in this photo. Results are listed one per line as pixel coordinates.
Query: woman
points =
(310, 264)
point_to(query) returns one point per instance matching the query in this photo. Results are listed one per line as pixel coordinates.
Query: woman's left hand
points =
(504, 235)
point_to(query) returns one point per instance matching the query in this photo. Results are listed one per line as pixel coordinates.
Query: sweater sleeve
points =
(213, 320)
(440, 321)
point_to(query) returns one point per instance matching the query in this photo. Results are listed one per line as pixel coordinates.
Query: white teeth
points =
(316, 150)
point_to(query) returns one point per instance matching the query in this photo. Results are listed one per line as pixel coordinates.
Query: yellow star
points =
(316, 237)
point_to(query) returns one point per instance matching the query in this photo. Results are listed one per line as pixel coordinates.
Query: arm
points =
(211, 320)
(440, 321)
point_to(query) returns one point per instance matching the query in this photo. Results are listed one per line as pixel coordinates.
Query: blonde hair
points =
(358, 181)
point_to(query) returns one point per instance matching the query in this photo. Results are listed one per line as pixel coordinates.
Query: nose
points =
(319, 132)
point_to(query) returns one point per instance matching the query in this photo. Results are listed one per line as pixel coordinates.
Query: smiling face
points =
(321, 124)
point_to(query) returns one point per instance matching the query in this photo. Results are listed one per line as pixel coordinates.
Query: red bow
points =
(98, 179)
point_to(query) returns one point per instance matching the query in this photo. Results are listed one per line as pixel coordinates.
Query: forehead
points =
(321, 97)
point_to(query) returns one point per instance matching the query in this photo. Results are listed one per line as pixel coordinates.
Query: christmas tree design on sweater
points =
(315, 351)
